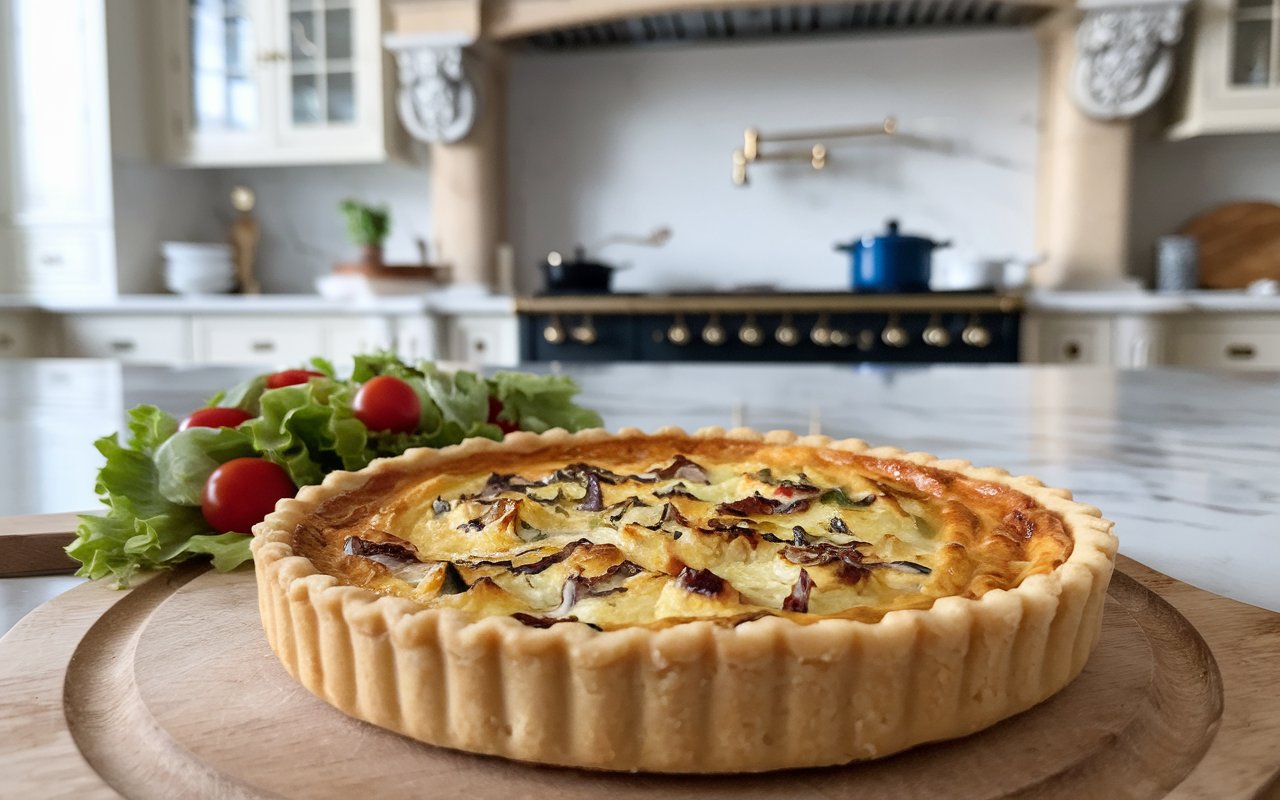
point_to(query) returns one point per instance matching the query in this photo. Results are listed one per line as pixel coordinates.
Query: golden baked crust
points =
(999, 607)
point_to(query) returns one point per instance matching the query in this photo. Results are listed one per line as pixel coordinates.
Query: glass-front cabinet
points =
(1233, 75)
(276, 82)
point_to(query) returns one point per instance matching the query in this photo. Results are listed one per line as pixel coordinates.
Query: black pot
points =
(576, 274)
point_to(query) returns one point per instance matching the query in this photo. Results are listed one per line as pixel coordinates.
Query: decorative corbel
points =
(437, 100)
(1124, 55)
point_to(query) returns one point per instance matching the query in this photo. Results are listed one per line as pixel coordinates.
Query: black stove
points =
(835, 327)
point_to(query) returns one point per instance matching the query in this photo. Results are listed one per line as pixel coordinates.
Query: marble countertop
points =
(444, 301)
(1143, 302)
(1186, 463)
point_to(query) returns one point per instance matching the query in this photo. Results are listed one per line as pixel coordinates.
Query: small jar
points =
(1177, 263)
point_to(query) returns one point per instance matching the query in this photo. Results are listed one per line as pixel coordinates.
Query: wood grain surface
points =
(1239, 244)
(169, 690)
(33, 545)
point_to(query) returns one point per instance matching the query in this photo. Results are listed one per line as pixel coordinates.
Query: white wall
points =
(1175, 181)
(303, 233)
(627, 140)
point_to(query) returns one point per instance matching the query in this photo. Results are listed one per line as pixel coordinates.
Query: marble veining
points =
(1186, 463)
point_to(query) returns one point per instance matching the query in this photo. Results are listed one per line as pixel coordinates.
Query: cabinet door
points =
(262, 341)
(329, 83)
(484, 341)
(1070, 340)
(1226, 342)
(153, 340)
(1234, 85)
(56, 159)
(218, 96)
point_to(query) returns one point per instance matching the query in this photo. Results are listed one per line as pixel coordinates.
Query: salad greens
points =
(152, 483)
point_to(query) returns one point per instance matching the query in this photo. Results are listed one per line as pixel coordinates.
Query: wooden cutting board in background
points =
(170, 690)
(1239, 244)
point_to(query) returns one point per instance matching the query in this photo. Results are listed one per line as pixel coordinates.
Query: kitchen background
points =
(596, 141)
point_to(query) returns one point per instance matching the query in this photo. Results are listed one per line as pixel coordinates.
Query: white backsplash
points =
(304, 234)
(631, 139)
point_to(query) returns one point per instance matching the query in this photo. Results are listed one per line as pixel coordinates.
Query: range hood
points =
(786, 20)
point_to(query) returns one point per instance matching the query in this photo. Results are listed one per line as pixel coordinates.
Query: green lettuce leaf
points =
(187, 458)
(310, 430)
(539, 403)
(141, 529)
(229, 550)
(244, 396)
(149, 427)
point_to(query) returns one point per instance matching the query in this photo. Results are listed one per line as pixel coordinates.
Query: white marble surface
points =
(445, 301)
(1186, 463)
(1143, 302)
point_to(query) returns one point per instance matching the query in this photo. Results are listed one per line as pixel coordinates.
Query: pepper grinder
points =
(245, 235)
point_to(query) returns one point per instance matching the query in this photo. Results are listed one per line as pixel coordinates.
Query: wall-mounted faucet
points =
(816, 155)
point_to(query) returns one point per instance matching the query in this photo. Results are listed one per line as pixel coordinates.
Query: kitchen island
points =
(1186, 463)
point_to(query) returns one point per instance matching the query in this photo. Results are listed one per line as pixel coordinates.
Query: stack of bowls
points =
(195, 268)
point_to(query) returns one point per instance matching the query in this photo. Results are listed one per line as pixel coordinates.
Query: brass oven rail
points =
(767, 304)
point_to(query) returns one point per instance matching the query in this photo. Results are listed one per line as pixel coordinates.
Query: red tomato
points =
(291, 377)
(386, 403)
(215, 418)
(495, 408)
(242, 491)
(784, 491)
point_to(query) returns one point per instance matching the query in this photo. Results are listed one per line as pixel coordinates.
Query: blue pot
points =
(891, 263)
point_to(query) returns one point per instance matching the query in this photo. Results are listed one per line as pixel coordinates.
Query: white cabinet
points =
(1128, 341)
(55, 149)
(286, 341)
(482, 339)
(151, 339)
(1232, 83)
(275, 82)
(1241, 342)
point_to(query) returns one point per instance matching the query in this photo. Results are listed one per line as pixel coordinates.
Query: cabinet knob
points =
(935, 335)
(678, 333)
(123, 345)
(263, 346)
(787, 334)
(750, 333)
(585, 332)
(1071, 351)
(894, 335)
(713, 332)
(554, 332)
(975, 334)
(821, 333)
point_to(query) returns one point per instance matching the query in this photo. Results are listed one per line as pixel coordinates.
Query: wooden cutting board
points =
(169, 690)
(1239, 244)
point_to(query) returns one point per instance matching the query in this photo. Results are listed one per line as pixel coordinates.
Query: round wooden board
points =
(170, 690)
(1239, 244)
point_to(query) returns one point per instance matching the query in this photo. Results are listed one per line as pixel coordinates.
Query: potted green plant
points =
(368, 227)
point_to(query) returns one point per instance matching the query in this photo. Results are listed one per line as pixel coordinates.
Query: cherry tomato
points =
(215, 418)
(495, 408)
(242, 491)
(291, 377)
(386, 403)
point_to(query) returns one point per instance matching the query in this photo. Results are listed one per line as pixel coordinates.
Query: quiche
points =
(723, 601)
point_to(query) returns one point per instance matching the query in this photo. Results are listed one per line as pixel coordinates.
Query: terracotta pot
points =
(371, 256)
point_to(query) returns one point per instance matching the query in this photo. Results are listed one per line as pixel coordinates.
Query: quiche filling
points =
(680, 531)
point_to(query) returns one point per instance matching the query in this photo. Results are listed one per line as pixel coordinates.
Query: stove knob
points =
(713, 333)
(585, 333)
(821, 333)
(750, 333)
(787, 335)
(975, 334)
(678, 333)
(866, 340)
(935, 335)
(839, 338)
(894, 334)
(554, 332)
